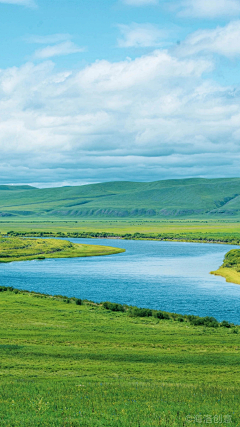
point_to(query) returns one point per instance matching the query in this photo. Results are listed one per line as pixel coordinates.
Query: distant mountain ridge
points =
(194, 197)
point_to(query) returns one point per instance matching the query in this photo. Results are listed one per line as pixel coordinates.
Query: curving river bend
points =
(170, 276)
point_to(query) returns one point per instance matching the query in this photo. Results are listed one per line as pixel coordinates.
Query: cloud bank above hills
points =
(160, 113)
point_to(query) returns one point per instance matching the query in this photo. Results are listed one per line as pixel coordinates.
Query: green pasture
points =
(69, 363)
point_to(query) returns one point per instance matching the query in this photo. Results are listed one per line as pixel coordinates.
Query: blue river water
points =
(170, 276)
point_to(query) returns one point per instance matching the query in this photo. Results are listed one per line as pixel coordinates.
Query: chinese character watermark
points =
(209, 419)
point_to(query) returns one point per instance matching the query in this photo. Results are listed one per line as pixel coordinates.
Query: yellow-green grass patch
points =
(22, 249)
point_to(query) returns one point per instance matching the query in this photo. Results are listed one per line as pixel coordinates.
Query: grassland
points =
(66, 364)
(19, 249)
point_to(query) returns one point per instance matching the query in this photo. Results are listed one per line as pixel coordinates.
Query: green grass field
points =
(19, 249)
(64, 364)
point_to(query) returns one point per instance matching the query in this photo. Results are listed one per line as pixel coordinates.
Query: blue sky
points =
(95, 91)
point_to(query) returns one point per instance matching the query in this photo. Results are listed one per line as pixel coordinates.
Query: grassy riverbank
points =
(231, 267)
(65, 363)
(19, 249)
(207, 231)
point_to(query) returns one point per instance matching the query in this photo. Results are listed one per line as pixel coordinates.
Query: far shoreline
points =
(110, 236)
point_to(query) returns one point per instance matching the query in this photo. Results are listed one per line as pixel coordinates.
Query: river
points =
(170, 276)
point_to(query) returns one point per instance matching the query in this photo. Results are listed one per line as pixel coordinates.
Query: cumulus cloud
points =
(152, 69)
(209, 8)
(148, 118)
(27, 3)
(221, 40)
(140, 35)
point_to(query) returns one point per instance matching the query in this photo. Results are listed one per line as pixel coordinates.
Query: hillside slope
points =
(170, 198)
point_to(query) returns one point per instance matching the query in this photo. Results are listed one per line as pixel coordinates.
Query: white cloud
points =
(151, 69)
(150, 118)
(65, 48)
(58, 45)
(27, 3)
(140, 2)
(140, 35)
(221, 40)
(209, 8)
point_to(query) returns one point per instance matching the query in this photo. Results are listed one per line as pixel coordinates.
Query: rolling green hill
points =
(168, 198)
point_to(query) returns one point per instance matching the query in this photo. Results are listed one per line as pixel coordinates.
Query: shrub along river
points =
(168, 276)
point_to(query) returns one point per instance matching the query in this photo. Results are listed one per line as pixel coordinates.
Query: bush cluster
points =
(209, 322)
(232, 259)
(226, 324)
(113, 306)
(140, 312)
(161, 315)
(6, 288)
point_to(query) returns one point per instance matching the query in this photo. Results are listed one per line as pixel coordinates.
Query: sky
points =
(132, 90)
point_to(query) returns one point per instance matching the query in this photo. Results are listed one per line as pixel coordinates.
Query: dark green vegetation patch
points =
(207, 321)
(232, 260)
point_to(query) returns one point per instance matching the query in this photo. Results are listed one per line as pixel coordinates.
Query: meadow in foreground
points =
(69, 363)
